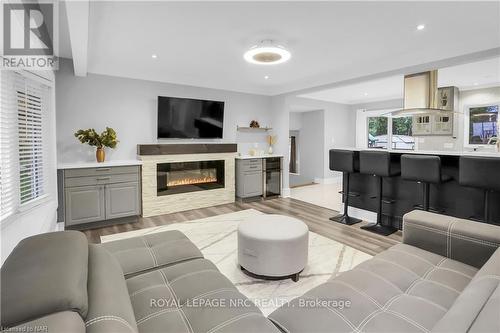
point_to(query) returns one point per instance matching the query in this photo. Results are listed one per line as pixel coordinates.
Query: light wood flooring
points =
(316, 217)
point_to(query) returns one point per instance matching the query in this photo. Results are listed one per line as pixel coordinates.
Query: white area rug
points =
(216, 237)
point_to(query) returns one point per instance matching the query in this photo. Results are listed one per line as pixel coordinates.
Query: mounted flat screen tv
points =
(186, 118)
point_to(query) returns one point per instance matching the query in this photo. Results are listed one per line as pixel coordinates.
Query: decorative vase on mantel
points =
(100, 155)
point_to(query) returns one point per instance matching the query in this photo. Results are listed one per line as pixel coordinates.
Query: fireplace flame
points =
(191, 180)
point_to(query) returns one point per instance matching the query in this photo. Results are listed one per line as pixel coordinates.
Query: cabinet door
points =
(84, 204)
(122, 200)
(252, 184)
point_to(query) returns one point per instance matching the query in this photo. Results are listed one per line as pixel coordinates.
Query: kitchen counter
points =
(449, 197)
(105, 164)
(480, 153)
(247, 157)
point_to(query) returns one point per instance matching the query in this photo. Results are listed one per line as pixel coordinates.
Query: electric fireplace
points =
(181, 177)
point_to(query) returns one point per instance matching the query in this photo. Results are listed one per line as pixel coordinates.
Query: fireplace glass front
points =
(181, 177)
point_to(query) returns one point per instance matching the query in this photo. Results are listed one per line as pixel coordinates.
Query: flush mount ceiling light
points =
(421, 27)
(267, 53)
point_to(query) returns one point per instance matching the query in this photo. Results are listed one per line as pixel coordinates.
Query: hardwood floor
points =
(317, 218)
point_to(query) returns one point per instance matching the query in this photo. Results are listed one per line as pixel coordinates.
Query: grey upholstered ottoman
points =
(273, 246)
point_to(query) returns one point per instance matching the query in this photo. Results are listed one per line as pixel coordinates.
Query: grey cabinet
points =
(99, 194)
(249, 181)
(84, 204)
(122, 200)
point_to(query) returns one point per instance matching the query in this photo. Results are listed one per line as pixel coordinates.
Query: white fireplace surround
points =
(153, 205)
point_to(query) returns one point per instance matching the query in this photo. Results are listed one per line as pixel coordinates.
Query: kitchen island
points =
(449, 198)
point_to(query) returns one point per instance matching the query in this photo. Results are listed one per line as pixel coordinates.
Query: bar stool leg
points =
(378, 227)
(426, 196)
(487, 206)
(345, 218)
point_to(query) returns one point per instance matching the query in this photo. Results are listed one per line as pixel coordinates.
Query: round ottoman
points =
(273, 246)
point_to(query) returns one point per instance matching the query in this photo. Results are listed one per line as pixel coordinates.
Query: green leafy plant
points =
(106, 139)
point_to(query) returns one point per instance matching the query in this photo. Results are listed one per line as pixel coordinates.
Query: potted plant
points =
(106, 139)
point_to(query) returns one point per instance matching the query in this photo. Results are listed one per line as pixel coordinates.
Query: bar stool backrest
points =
(480, 172)
(421, 168)
(377, 163)
(344, 160)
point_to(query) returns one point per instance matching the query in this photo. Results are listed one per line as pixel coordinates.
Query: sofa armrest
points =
(466, 241)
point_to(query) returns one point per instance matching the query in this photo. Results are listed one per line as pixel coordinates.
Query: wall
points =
(129, 106)
(340, 122)
(312, 146)
(40, 218)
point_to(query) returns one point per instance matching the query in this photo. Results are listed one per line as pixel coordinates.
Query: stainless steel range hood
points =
(422, 96)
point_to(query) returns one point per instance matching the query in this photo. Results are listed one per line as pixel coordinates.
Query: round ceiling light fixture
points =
(267, 53)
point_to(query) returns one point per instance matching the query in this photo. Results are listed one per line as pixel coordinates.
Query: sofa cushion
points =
(44, 274)
(192, 296)
(477, 309)
(109, 303)
(403, 289)
(147, 252)
(59, 322)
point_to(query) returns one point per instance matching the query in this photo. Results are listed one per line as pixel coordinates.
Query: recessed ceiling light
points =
(366, 94)
(267, 53)
(154, 56)
(266, 77)
(421, 27)
(476, 84)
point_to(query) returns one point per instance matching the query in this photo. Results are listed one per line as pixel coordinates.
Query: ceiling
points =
(202, 43)
(473, 75)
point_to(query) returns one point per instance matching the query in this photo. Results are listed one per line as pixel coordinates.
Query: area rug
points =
(216, 237)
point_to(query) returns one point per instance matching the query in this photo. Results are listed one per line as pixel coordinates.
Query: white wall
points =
(129, 106)
(296, 121)
(312, 145)
(340, 124)
(40, 218)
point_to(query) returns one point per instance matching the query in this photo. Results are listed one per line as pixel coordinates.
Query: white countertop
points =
(481, 153)
(247, 157)
(105, 164)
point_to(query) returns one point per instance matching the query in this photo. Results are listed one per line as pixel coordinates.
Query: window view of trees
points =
(400, 138)
(377, 132)
(401, 133)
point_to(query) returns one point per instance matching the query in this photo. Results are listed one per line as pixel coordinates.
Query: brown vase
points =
(99, 154)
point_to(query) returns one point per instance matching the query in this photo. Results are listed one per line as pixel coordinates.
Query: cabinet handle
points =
(102, 169)
(103, 178)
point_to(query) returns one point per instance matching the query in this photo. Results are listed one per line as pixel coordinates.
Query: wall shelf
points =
(253, 129)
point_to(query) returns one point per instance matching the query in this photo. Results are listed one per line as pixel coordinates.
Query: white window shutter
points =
(24, 142)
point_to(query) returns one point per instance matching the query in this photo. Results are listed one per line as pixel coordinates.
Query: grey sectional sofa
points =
(444, 277)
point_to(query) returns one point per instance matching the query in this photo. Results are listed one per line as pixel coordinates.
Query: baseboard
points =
(331, 180)
(362, 214)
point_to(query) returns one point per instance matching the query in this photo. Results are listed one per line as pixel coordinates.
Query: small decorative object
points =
(106, 139)
(271, 140)
(254, 124)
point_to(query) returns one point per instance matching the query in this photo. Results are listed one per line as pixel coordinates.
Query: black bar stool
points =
(379, 164)
(346, 161)
(424, 169)
(483, 173)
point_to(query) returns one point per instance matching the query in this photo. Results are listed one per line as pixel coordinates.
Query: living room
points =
(245, 166)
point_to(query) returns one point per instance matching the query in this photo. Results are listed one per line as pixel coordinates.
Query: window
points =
(23, 141)
(377, 132)
(483, 125)
(396, 131)
(402, 133)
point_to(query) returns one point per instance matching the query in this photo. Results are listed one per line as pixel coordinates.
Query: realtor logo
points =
(29, 36)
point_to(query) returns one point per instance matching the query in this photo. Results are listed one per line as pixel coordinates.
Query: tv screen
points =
(186, 118)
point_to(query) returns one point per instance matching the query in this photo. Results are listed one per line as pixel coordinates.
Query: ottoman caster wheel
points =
(295, 277)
